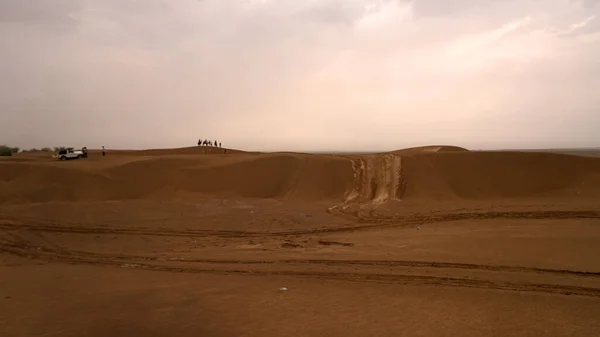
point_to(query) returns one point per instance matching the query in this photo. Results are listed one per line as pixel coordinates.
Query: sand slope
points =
(135, 177)
(475, 175)
(440, 173)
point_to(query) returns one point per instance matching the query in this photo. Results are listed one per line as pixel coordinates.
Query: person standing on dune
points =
(103, 151)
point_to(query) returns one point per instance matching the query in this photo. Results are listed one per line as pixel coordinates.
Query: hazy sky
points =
(300, 74)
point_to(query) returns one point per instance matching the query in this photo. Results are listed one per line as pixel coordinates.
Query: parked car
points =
(66, 154)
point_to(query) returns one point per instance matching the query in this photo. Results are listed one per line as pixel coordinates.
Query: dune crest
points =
(430, 148)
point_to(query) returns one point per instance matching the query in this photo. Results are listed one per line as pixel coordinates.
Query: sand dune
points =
(430, 148)
(195, 242)
(475, 175)
(437, 173)
(170, 152)
(137, 177)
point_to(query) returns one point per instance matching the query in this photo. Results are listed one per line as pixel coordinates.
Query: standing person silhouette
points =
(103, 151)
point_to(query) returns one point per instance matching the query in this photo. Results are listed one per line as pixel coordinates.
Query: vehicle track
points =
(14, 244)
(17, 244)
(456, 216)
(363, 223)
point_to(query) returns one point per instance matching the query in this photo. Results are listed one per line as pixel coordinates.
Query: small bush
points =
(5, 151)
(46, 149)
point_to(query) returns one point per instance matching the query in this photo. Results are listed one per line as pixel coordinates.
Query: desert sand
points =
(428, 241)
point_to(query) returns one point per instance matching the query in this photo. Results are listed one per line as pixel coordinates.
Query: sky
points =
(300, 75)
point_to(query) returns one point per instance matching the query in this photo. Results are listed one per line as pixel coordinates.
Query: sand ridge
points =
(430, 148)
(368, 180)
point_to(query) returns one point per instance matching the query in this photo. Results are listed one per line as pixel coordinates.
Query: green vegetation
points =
(45, 149)
(7, 151)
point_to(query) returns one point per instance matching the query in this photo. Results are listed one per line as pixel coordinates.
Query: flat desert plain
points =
(431, 241)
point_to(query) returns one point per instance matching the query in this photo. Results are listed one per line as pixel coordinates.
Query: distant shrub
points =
(59, 148)
(7, 151)
(34, 150)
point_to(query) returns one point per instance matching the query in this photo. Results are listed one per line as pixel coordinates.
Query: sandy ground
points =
(401, 244)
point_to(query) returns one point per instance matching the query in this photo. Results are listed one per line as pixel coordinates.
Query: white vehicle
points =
(65, 154)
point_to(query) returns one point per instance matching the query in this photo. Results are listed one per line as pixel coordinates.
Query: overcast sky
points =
(300, 74)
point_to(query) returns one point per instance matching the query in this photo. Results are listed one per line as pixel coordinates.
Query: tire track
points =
(20, 247)
(448, 265)
(362, 223)
(456, 216)
(356, 277)
(17, 243)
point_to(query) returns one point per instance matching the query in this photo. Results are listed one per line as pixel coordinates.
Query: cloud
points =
(49, 13)
(300, 75)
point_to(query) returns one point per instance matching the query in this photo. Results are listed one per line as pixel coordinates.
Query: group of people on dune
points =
(207, 142)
